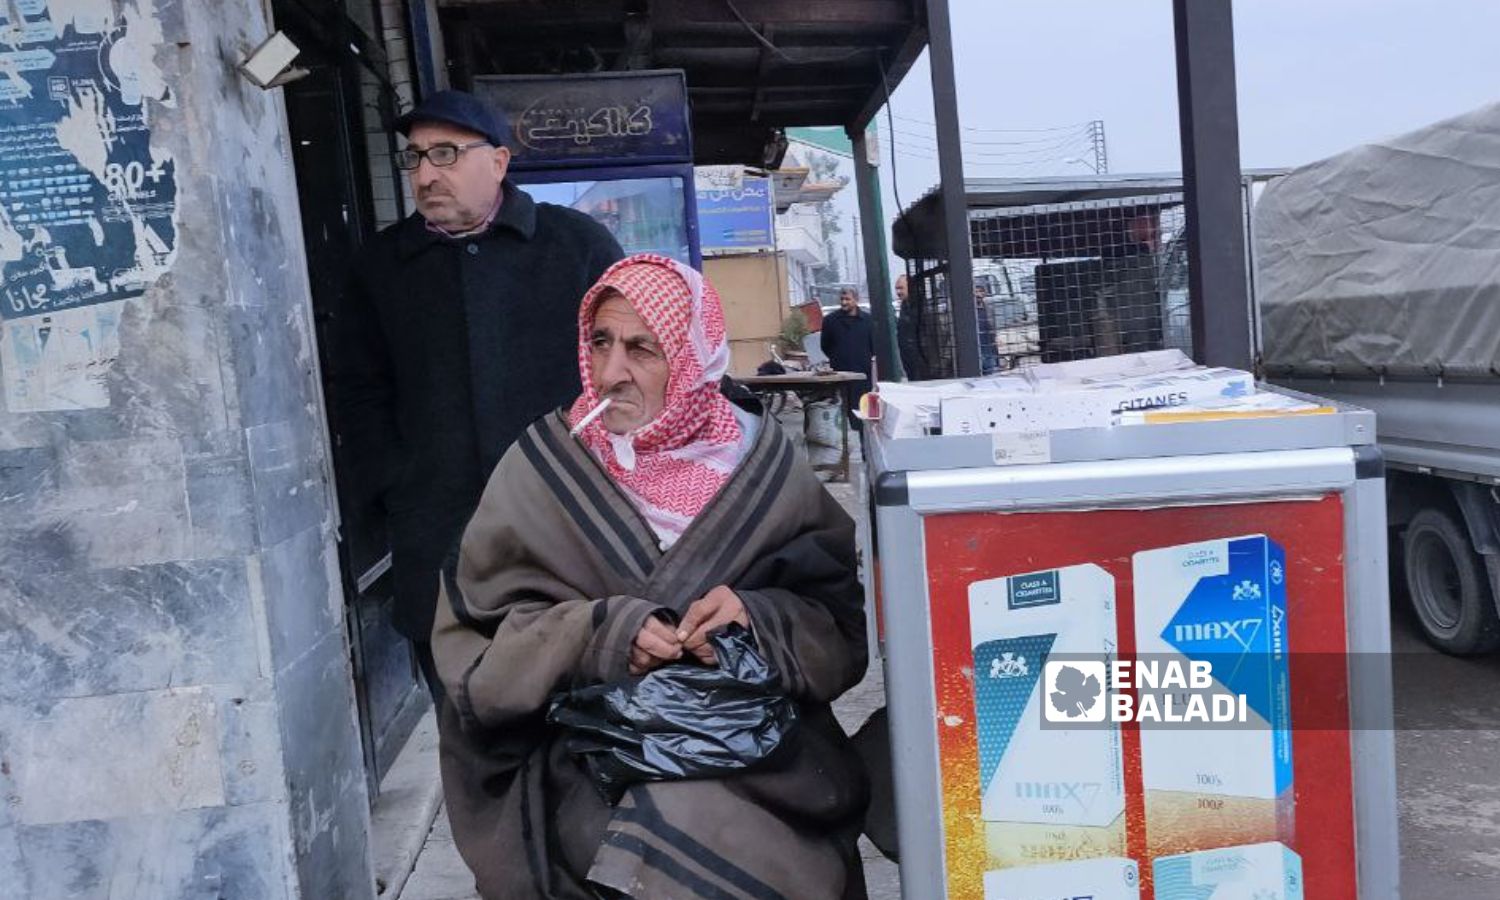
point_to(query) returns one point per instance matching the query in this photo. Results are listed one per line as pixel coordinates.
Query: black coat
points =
(848, 341)
(909, 342)
(446, 350)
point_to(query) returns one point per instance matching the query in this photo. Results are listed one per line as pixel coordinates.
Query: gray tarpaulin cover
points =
(1386, 258)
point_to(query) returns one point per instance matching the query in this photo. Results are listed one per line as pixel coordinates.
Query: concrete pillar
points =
(877, 271)
(177, 716)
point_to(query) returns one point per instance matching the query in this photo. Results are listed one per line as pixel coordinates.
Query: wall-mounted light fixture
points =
(270, 64)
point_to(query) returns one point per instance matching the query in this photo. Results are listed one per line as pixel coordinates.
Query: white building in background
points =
(811, 181)
(808, 195)
(799, 235)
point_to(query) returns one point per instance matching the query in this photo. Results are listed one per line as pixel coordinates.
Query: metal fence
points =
(1058, 282)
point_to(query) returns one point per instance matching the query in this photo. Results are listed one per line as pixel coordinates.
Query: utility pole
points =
(1097, 143)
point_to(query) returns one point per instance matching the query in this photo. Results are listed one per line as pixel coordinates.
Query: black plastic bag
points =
(684, 720)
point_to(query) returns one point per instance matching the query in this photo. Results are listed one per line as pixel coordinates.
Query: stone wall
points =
(176, 710)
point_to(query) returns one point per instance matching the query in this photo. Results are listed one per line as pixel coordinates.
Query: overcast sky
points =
(1315, 77)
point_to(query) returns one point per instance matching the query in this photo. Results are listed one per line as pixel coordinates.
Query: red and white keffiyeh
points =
(672, 466)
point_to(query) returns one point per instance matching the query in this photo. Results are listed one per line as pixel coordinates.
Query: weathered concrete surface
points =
(165, 624)
(882, 877)
(229, 851)
(72, 763)
(410, 797)
(177, 714)
(439, 872)
(1447, 766)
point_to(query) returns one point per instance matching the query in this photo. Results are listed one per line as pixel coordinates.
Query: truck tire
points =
(1448, 584)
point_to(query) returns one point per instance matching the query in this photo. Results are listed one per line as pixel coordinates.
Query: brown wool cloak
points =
(554, 578)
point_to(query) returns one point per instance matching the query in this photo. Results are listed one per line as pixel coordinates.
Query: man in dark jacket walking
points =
(908, 341)
(848, 340)
(455, 333)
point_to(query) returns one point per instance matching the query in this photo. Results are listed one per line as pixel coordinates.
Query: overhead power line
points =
(973, 128)
(999, 149)
(1084, 144)
(1076, 148)
(1068, 144)
(1060, 137)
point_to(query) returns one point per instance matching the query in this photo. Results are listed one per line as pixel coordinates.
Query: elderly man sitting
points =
(597, 557)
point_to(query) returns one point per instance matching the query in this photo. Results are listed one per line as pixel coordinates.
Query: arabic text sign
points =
(737, 220)
(621, 118)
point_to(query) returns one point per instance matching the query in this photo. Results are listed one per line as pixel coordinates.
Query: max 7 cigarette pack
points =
(1223, 602)
(1113, 878)
(1056, 790)
(1268, 871)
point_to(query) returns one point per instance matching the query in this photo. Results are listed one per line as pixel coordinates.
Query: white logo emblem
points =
(1008, 665)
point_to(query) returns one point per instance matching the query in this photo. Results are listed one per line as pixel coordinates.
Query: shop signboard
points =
(735, 215)
(611, 119)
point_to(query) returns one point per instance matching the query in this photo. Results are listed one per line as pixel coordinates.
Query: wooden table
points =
(810, 388)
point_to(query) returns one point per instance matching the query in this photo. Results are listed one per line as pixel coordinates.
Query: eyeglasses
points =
(440, 155)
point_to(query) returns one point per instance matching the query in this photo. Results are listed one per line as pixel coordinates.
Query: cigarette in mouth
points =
(595, 413)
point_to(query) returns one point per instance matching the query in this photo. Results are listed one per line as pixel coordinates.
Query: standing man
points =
(908, 342)
(848, 340)
(989, 350)
(454, 334)
(1128, 312)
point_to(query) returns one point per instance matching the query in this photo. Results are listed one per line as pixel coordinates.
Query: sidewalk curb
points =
(410, 797)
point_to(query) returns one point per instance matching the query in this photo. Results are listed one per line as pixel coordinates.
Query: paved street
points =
(440, 873)
(1447, 769)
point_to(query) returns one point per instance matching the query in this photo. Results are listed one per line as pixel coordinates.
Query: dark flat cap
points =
(460, 109)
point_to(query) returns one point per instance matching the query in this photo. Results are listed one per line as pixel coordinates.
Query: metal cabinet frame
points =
(1131, 467)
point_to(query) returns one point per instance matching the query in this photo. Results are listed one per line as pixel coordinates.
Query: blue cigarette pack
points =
(1222, 602)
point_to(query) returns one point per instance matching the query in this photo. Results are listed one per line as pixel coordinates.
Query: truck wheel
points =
(1448, 584)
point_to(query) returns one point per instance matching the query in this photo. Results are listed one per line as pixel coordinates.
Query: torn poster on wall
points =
(87, 205)
(59, 361)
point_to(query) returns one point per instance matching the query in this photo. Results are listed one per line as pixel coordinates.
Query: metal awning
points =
(754, 67)
(1033, 217)
(1041, 217)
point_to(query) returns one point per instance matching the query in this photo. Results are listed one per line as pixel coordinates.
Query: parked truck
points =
(1378, 280)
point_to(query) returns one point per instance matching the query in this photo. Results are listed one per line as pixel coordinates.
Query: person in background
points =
(1128, 311)
(452, 336)
(989, 351)
(908, 342)
(848, 340)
